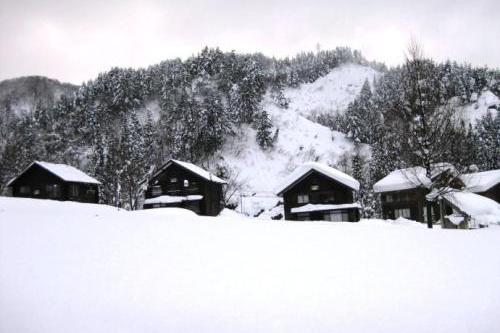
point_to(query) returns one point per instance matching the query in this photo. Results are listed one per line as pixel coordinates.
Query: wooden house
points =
(315, 191)
(403, 192)
(43, 180)
(185, 185)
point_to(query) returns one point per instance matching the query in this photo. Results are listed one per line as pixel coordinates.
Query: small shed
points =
(185, 185)
(43, 180)
(467, 210)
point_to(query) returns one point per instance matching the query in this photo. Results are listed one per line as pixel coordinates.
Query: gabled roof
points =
(323, 169)
(481, 181)
(192, 168)
(410, 178)
(62, 171)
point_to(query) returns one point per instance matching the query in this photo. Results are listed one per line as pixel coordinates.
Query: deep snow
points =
(69, 267)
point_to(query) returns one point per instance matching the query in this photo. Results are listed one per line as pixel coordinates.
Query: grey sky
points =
(75, 40)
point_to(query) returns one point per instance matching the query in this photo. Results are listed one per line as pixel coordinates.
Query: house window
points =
(53, 190)
(303, 217)
(36, 192)
(156, 190)
(336, 216)
(156, 206)
(303, 198)
(91, 193)
(186, 183)
(388, 198)
(402, 212)
(314, 187)
(173, 180)
(25, 189)
(73, 190)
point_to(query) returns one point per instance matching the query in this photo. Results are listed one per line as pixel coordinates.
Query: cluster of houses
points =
(314, 191)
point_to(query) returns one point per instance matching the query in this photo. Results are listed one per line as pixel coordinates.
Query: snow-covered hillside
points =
(485, 102)
(331, 93)
(300, 139)
(70, 267)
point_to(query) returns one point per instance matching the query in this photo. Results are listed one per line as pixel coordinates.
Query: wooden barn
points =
(185, 185)
(43, 180)
(317, 192)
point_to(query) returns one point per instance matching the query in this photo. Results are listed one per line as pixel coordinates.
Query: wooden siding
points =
(412, 199)
(38, 179)
(329, 191)
(210, 204)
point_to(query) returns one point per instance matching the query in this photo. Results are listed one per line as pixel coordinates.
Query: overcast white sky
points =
(75, 40)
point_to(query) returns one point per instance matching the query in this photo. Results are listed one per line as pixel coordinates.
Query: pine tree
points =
(264, 125)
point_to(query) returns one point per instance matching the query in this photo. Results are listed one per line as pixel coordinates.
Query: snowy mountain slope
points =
(70, 267)
(331, 93)
(485, 102)
(300, 139)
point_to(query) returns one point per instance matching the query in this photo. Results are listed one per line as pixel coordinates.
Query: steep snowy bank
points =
(69, 267)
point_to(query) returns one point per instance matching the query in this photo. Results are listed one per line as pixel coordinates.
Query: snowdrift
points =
(70, 267)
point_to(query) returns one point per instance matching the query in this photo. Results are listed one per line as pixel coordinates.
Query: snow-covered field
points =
(69, 267)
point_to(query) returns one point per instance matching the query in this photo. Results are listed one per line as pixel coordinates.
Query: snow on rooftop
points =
(402, 179)
(63, 171)
(481, 181)
(321, 207)
(478, 207)
(168, 199)
(200, 172)
(324, 170)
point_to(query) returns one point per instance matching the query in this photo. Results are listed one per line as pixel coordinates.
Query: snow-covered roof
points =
(402, 179)
(410, 178)
(63, 171)
(481, 181)
(193, 168)
(321, 207)
(167, 199)
(324, 169)
(478, 207)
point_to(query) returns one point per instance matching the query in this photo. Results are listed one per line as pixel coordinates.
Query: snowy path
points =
(68, 267)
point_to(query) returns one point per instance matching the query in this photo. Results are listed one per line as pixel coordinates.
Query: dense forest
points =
(121, 125)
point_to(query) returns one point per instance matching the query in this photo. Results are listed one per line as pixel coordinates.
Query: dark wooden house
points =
(403, 193)
(43, 180)
(185, 185)
(315, 191)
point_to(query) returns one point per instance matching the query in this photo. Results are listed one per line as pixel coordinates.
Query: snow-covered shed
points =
(466, 210)
(316, 191)
(183, 184)
(44, 180)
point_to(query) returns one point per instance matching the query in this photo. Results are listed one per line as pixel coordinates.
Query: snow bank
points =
(69, 267)
(486, 102)
(320, 207)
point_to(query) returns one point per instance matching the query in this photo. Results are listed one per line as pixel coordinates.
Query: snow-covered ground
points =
(69, 267)
(484, 103)
(300, 139)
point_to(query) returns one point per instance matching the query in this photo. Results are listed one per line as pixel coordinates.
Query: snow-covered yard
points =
(70, 267)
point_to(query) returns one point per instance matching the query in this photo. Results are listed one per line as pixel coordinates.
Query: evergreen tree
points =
(264, 126)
